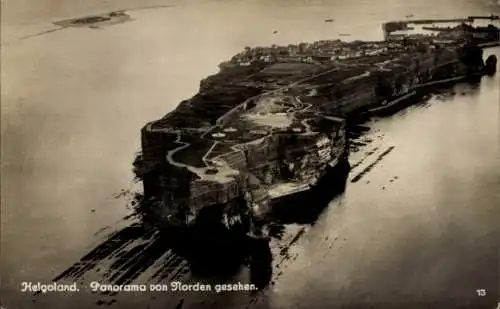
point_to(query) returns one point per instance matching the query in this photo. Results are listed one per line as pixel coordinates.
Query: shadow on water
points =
(261, 268)
(306, 207)
(207, 249)
(213, 251)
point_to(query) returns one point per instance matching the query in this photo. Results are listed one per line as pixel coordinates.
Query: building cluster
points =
(332, 50)
(317, 52)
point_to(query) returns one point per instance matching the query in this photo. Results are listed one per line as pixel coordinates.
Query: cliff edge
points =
(272, 122)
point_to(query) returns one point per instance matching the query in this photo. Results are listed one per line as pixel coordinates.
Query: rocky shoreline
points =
(273, 121)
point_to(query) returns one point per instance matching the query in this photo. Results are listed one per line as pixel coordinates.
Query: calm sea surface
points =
(423, 225)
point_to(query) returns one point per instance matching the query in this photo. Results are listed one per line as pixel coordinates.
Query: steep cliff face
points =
(471, 56)
(257, 171)
(234, 147)
(234, 73)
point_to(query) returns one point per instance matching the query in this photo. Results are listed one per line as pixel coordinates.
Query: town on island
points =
(272, 126)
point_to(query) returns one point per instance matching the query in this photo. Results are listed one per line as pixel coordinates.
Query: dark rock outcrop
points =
(490, 66)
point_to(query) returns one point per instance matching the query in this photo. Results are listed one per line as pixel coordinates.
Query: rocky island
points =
(272, 123)
(96, 21)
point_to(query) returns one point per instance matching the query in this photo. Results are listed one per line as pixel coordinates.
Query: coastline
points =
(242, 160)
(52, 242)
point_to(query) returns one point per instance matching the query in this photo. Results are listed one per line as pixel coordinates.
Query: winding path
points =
(221, 119)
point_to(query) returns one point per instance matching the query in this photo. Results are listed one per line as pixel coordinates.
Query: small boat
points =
(344, 34)
(409, 16)
(329, 20)
(275, 31)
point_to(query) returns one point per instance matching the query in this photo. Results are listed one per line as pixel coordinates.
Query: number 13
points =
(481, 292)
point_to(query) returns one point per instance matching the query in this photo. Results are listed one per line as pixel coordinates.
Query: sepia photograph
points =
(250, 154)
